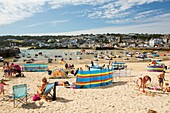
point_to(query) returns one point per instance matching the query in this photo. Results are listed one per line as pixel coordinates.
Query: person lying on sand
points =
(143, 81)
(62, 83)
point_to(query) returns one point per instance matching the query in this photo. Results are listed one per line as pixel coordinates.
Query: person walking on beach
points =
(161, 79)
(76, 72)
(109, 62)
(92, 64)
(143, 81)
(2, 83)
(66, 66)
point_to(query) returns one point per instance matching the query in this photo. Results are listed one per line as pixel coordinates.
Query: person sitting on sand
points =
(161, 78)
(143, 81)
(167, 87)
(43, 86)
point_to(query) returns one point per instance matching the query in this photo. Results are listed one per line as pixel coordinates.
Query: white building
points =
(154, 42)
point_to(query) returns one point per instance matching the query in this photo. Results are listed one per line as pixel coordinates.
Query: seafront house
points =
(157, 42)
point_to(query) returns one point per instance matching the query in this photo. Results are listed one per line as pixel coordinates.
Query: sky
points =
(73, 17)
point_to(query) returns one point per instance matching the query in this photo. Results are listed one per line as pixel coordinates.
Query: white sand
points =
(119, 97)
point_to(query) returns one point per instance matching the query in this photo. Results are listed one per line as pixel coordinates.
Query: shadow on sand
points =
(63, 100)
(33, 105)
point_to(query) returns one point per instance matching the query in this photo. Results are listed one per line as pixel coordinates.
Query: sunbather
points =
(43, 86)
(62, 83)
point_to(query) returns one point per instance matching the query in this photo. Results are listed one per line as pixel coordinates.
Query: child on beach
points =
(11, 67)
(2, 83)
(167, 87)
(6, 69)
(143, 81)
(161, 78)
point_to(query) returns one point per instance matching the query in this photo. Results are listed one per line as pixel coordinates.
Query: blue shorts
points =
(7, 71)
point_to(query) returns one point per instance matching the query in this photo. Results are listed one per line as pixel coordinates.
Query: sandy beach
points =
(121, 96)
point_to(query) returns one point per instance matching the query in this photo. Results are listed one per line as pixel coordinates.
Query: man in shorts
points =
(161, 79)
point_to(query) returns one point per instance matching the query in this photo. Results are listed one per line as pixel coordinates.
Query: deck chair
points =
(20, 94)
(47, 90)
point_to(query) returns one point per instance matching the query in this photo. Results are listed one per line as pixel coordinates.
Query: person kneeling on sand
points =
(143, 81)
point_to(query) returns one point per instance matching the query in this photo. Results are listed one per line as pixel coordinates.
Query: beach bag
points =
(35, 97)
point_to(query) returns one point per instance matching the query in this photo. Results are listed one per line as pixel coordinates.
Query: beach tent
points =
(61, 61)
(94, 78)
(157, 63)
(59, 73)
(34, 67)
(119, 65)
(156, 66)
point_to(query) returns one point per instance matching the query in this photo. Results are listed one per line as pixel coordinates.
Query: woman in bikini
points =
(143, 81)
(43, 86)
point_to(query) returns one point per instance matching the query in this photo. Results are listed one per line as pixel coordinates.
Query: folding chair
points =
(48, 89)
(19, 94)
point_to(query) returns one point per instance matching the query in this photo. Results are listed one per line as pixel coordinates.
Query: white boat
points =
(17, 56)
(108, 58)
(79, 58)
(95, 59)
(61, 58)
(125, 58)
(1, 59)
(100, 56)
(117, 56)
(140, 59)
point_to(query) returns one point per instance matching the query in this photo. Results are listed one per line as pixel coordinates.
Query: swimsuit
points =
(161, 80)
(144, 79)
(2, 86)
